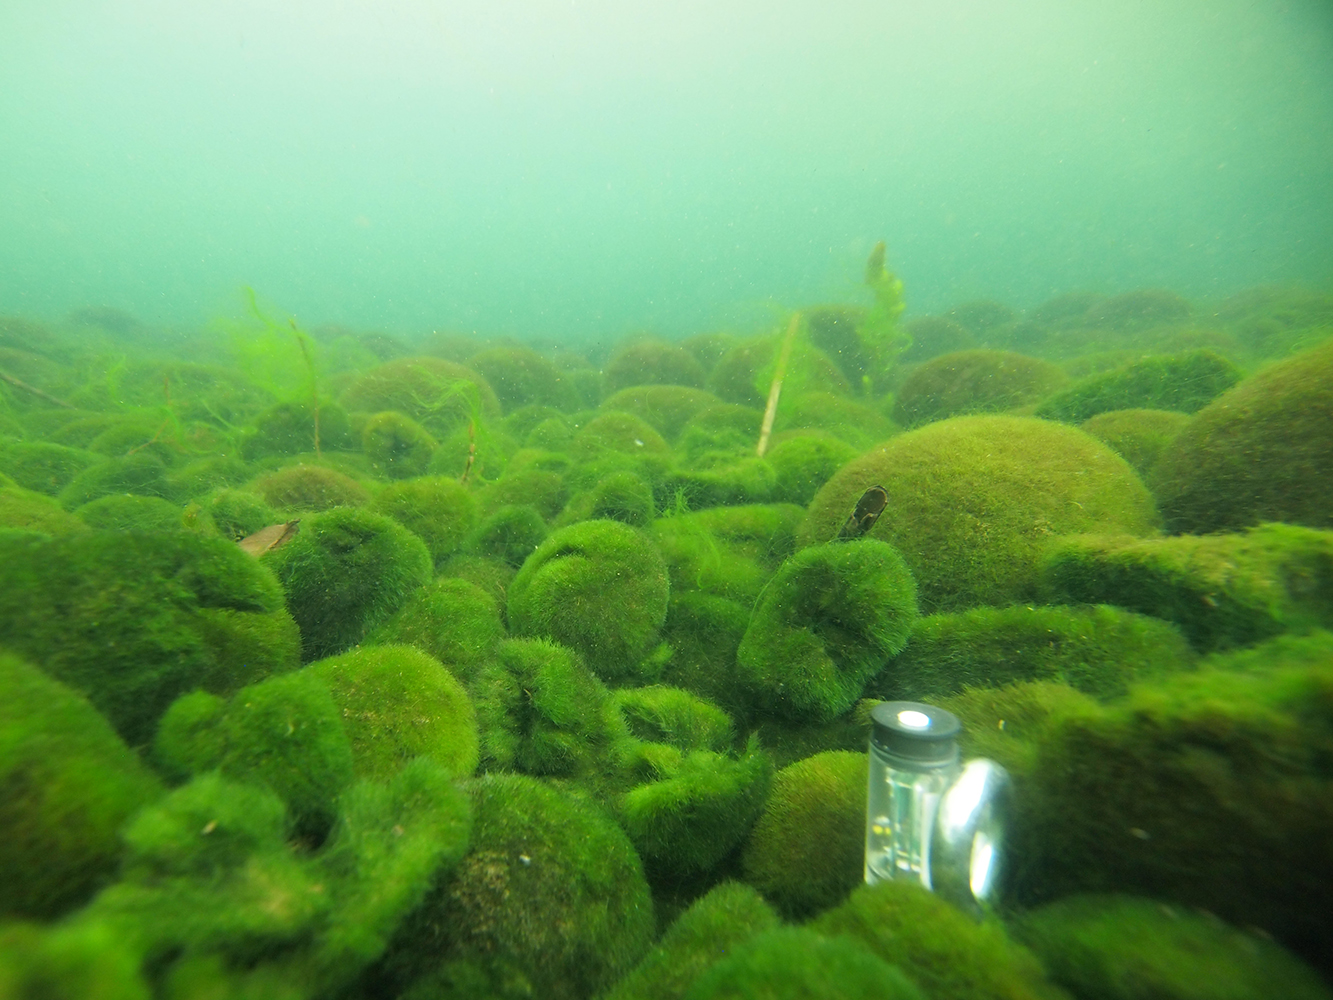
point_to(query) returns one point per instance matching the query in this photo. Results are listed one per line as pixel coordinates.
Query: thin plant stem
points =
(775, 390)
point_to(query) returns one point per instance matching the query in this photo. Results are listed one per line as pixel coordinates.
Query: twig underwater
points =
(775, 390)
(18, 383)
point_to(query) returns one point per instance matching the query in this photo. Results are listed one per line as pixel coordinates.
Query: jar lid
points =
(917, 734)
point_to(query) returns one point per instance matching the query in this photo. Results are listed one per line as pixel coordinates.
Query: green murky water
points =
(467, 475)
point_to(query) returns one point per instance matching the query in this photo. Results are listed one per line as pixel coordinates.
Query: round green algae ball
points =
(804, 462)
(398, 703)
(979, 381)
(450, 618)
(30, 511)
(437, 509)
(541, 711)
(807, 852)
(1262, 451)
(439, 394)
(43, 466)
(598, 587)
(550, 901)
(127, 512)
(796, 963)
(943, 950)
(825, 624)
(519, 375)
(973, 501)
(142, 474)
(134, 619)
(697, 811)
(397, 446)
(653, 362)
(70, 784)
(306, 488)
(284, 733)
(1137, 436)
(666, 407)
(346, 571)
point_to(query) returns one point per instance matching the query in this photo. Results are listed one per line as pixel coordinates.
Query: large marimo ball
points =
(134, 619)
(346, 571)
(1262, 451)
(598, 587)
(796, 963)
(807, 852)
(550, 901)
(69, 785)
(398, 703)
(825, 624)
(973, 501)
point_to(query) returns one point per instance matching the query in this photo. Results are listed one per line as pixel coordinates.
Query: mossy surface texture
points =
(1259, 452)
(339, 665)
(70, 783)
(1222, 590)
(973, 501)
(1096, 649)
(599, 587)
(1125, 947)
(132, 619)
(1194, 782)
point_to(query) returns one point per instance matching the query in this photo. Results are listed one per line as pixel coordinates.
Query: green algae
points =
(1098, 649)
(624, 690)
(1124, 948)
(944, 951)
(550, 900)
(823, 626)
(795, 963)
(345, 572)
(807, 851)
(1222, 590)
(133, 619)
(729, 914)
(973, 502)
(599, 587)
(69, 785)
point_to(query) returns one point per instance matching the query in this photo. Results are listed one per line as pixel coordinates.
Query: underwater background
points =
(577, 169)
(471, 476)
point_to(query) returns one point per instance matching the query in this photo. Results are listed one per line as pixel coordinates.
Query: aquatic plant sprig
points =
(882, 339)
(444, 394)
(278, 355)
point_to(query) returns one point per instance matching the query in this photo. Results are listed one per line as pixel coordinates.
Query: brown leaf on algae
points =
(268, 539)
